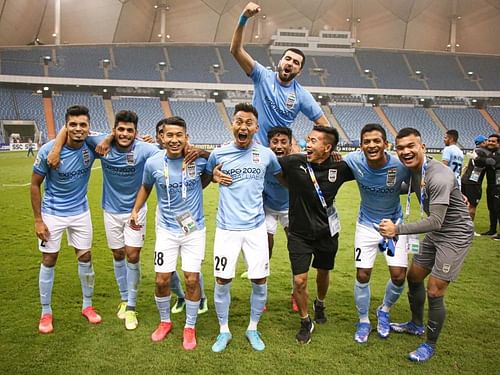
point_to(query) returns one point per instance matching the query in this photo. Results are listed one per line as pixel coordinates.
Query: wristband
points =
(243, 20)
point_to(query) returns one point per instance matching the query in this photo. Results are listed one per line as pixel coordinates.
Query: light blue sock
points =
(121, 277)
(133, 281)
(202, 287)
(222, 300)
(191, 312)
(392, 293)
(86, 273)
(258, 300)
(163, 305)
(176, 286)
(362, 299)
(45, 284)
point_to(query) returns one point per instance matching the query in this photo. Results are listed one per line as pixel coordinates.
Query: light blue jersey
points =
(161, 171)
(275, 195)
(65, 188)
(279, 105)
(379, 188)
(122, 174)
(455, 158)
(241, 203)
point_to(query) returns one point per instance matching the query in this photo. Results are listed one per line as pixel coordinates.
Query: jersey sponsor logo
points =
(191, 170)
(332, 175)
(255, 156)
(277, 109)
(391, 177)
(130, 158)
(86, 157)
(290, 101)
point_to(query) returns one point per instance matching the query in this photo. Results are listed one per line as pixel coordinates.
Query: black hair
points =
(298, 52)
(331, 134)
(406, 132)
(453, 134)
(126, 116)
(245, 107)
(373, 127)
(76, 110)
(174, 120)
(279, 130)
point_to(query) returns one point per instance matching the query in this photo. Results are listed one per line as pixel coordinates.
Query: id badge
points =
(476, 172)
(413, 244)
(187, 222)
(498, 176)
(333, 220)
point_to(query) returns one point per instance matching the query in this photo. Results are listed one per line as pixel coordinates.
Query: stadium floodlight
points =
(104, 90)
(46, 88)
(162, 65)
(318, 70)
(162, 92)
(39, 91)
(367, 71)
(47, 59)
(474, 100)
(470, 73)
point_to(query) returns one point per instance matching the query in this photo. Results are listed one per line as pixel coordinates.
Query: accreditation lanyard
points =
(316, 186)
(422, 192)
(167, 181)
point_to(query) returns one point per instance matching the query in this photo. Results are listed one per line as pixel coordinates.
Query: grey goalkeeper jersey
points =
(440, 188)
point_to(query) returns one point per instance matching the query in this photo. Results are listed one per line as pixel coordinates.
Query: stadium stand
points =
(7, 105)
(352, 118)
(26, 61)
(98, 119)
(205, 124)
(191, 64)
(486, 69)
(30, 107)
(148, 110)
(468, 121)
(82, 62)
(415, 117)
(129, 66)
(495, 114)
(441, 71)
(341, 71)
(389, 68)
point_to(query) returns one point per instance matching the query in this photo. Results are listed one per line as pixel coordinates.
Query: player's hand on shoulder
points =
(337, 156)
(103, 148)
(53, 159)
(191, 153)
(251, 9)
(146, 138)
(220, 177)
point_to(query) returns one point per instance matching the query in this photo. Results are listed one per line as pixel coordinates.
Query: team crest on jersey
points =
(86, 157)
(290, 101)
(130, 158)
(191, 170)
(255, 156)
(332, 175)
(391, 177)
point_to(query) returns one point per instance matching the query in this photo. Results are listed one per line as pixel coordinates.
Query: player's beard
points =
(290, 77)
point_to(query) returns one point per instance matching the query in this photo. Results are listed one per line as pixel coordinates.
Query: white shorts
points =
(366, 242)
(119, 233)
(78, 230)
(255, 248)
(274, 217)
(169, 245)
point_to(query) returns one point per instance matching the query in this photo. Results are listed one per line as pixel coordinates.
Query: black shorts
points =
(473, 192)
(301, 251)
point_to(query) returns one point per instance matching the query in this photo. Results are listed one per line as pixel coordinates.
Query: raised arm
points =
(322, 121)
(242, 57)
(54, 157)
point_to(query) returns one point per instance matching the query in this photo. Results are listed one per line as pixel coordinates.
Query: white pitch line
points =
(29, 183)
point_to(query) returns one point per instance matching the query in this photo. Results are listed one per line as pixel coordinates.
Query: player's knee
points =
(85, 257)
(221, 281)
(192, 280)
(363, 275)
(118, 254)
(398, 277)
(162, 280)
(49, 259)
(300, 281)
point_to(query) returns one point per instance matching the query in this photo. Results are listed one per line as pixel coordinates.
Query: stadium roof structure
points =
(388, 24)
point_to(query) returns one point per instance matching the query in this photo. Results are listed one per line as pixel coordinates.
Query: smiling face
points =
(78, 130)
(289, 66)
(411, 151)
(280, 144)
(244, 126)
(124, 134)
(318, 149)
(174, 139)
(373, 146)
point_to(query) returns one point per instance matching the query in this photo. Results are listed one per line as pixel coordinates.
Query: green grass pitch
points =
(468, 344)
